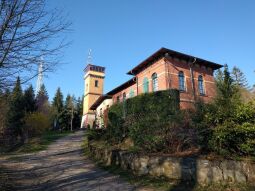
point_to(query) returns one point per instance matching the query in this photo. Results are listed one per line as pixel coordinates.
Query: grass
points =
(161, 183)
(40, 143)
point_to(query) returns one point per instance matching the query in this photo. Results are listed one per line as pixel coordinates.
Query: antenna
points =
(39, 82)
(89, 59)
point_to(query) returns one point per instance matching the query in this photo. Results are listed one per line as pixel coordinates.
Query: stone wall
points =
(183, 168)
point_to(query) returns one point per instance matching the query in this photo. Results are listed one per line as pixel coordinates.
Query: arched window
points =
(145, 85)
(131, 93)
(124, 97)
(181, 81)
(201, 85)
(154, 78)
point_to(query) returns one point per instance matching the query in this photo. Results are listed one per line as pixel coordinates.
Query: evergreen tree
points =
(4, 108)
(42, 102)
(16, 111)
(239, 78)
(67, 114)
(77, 113)
(80, 106)
(68, 102)
(58, 101)
(228, 95)
(29, 100)
(58, 108)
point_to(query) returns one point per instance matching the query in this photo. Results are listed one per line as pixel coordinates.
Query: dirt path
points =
(61, 167)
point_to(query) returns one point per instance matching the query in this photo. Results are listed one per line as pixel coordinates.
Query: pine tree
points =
(68, 102)
(4, 108)
(228, 95)
(29, 100)
(58, 101)
(42, 102)
(68, 111)
(78, 113)
(239, 78)
(58, 108)
(16, 111)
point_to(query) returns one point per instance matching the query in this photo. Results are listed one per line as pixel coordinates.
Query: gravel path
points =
(61, 167)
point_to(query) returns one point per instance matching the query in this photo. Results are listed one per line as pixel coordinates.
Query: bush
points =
(35, 124)
(116, 130)
(153, 121)
(231, 138)
(95, 134)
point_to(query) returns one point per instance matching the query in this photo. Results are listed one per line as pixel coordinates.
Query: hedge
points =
(142, 118)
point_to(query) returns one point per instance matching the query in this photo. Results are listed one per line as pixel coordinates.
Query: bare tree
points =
(29, 32)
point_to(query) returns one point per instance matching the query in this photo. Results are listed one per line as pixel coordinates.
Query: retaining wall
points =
(202, 171)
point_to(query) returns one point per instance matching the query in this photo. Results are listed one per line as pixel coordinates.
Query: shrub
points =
(153, 121)
(116, 131)
(36, 123)
(232, 138)
(95, 134)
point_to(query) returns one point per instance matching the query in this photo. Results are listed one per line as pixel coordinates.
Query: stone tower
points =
(94, 83)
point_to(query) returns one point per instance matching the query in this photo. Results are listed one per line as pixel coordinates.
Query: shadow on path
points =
(61, 167)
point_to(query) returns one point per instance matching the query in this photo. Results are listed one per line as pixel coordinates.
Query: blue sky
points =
(122, 33)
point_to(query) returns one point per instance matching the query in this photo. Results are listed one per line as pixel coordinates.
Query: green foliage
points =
(230, 138)
(42, 100)
(16, 111)
(227, 99)
(230, 122)
(95, 134)
(239, 78)
(58, 101)
(146, 119)
(4, 109)
(29, 100)
(36, 123)
(116, 130)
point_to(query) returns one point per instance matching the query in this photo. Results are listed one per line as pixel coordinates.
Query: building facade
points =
(168, 69)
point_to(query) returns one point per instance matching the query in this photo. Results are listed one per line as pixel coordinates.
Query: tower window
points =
(201, 85)
(145, 85)
(181, 81)
(154, 82)
(96, 83)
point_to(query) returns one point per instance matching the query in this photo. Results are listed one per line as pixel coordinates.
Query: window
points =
(181, 81)
(96, 83)
(118, 99)
(154, 78)
(131, 93)
(145, 85)
(124, 97)
(201, 85)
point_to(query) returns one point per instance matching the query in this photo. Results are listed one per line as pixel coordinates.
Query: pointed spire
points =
(89, 58)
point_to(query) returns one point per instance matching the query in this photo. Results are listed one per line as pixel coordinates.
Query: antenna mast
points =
(89, 59)
(39, 82)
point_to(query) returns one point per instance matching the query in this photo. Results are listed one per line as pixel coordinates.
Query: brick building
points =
(166, 69)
